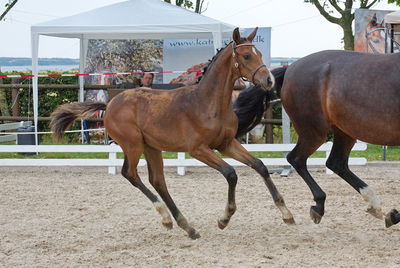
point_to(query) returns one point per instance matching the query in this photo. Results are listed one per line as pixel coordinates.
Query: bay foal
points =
(188, 119)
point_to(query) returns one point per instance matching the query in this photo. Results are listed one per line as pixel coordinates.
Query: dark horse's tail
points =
(63, 117)
(279, 74)
(251, 104)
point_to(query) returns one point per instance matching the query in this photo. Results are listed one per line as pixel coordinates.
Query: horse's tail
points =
(279, 74)
(253, 102)
(249, 108)
(63, 117)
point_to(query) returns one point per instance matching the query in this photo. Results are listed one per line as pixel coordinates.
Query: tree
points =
(198, 7)
(327, 8)
(8, 6)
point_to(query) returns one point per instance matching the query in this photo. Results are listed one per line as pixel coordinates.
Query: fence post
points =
(15, 98)
(328, 152)
(181, 170)
(3, 101)
(269, 135)
(112, 156)
(286, 139)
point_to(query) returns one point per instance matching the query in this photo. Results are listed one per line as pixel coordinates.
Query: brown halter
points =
(238, 63)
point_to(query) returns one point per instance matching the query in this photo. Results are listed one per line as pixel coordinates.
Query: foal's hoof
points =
(222, 224)
(193, 234)
(376, 212)
(315, 216)
(167, 225)
(289, 221)
(393, 217)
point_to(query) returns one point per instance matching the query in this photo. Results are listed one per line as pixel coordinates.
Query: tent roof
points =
(393, 17)
(134, 19)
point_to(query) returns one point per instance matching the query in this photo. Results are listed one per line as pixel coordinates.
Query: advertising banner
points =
(181, 54)
(369, 35)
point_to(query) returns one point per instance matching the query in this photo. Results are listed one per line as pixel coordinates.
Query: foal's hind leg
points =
(238, 152)
(129, 171)
(156, 176)
(160, 207)
(338, 163)
(134, 179)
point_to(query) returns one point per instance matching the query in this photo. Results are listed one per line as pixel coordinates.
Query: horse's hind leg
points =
(129, 171)
(160, 207)
(306, 145)
(238, 152)
(338, 163)
(156, 177)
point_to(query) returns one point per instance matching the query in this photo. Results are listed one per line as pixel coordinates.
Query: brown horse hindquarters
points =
(334, 90)
(354, 94)
(364, 103)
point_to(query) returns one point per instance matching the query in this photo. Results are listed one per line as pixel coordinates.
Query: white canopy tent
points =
(392, 18)
(133, 19)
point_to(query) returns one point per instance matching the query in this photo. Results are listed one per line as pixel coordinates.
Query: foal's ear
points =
(374, 20)
(252, 35)
(236, 36)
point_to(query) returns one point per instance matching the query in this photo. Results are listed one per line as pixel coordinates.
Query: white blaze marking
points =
(272, 79)
(254, 51)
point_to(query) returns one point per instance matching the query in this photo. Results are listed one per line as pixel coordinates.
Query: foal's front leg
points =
(207, 156)
(238, 152)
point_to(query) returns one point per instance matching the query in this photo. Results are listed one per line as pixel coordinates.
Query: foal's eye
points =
(246, 57)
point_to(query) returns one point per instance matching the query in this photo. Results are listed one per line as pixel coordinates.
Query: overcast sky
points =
(297, 27)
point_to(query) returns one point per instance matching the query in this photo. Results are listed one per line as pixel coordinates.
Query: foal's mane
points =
(213, 59)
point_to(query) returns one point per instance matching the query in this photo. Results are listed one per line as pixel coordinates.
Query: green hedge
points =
(49, 99)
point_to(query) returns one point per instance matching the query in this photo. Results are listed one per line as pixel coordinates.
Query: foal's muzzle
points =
(266, 81)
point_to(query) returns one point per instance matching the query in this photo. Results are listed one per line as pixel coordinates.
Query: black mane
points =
(249, 107)
(251, 104)
(213, 59)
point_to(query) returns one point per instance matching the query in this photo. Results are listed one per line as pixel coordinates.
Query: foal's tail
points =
(63, 117)
(279, 74)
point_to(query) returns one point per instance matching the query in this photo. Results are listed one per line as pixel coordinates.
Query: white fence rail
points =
(112, 162)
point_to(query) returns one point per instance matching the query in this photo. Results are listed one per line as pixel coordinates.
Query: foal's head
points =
(247, 61)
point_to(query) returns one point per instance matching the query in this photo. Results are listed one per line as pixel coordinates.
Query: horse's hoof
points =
(193, 234)
(222, 224)
(388, 220)
(376, 212)
(167, 225)
(392, 218)
(289, 221)
(315, 216)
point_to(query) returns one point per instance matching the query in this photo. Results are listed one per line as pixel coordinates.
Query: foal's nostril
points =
(269, 80)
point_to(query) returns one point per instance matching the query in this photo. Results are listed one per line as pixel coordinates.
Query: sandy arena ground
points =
(83, 217)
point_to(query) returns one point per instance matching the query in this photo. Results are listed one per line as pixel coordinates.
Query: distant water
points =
(28, 68)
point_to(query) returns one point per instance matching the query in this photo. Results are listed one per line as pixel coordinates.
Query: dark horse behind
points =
(355, 95)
